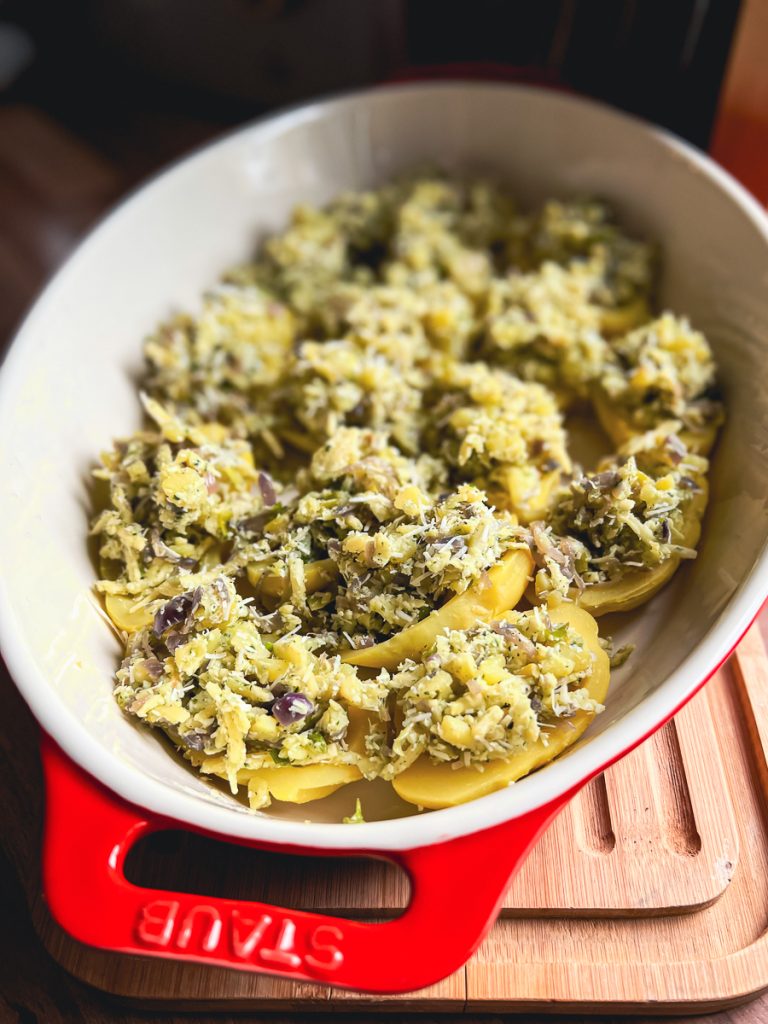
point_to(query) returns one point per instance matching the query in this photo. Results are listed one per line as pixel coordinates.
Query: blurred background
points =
(103, 66)
(96, 94)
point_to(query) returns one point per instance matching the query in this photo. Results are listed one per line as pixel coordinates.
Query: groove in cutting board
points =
(679, 830)
(641, 839)
(593, 826)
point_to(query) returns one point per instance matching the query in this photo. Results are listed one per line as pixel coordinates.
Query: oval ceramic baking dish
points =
(66, 389)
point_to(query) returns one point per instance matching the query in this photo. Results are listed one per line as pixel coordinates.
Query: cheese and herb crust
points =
(345, 445)
(633, 513)
(486, 693)
(663, 370)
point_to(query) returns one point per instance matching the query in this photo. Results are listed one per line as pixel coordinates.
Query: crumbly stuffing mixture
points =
(664, 369)
(633, 513)
(568, 233)
(484, 421)
(542, 326)
(224, 691)
(482, 694)
(398, 546)
(354, 428)
(177, 494)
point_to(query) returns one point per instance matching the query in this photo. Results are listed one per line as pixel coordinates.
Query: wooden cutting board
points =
(649, 892)
(651, 887)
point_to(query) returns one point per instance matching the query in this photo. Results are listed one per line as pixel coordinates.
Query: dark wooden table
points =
(53, 184)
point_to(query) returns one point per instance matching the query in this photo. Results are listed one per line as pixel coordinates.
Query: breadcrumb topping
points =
(355, 427)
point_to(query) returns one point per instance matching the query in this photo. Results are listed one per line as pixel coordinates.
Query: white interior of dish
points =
(69, 387)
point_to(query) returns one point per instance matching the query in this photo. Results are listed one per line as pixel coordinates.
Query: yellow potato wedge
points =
(637, 585)
(527, 493)
(297, 784)
(300, 441)
(442, 785)
(622, 319)
(620, 430)
(125, 615)
(274, 588)
(497, 591)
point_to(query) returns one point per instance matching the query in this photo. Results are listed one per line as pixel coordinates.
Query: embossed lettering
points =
(333, 957)
(283, 953)
(244, 944)
(156, 921)
(211, 934)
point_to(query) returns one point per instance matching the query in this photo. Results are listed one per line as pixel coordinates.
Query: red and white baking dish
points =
(68, 387)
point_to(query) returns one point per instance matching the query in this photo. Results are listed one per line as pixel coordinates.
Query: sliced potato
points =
(126, 615)
(212, 557)
(298, 784)
(620, 430)
(637, 586)
(497, 591)
(627, 593)
(300, 441)
(274, 588)
(625, 318)
(517, 495)
(443, 785)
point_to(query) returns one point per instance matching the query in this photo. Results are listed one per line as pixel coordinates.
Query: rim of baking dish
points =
(539, 789)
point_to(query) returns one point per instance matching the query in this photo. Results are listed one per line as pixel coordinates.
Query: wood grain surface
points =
(52, 186)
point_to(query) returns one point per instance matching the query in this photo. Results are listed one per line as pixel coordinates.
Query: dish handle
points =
(456, 890)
